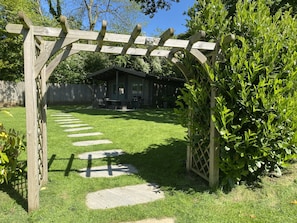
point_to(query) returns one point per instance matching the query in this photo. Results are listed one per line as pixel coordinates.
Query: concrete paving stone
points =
(123, 196)
(78, 129)
(108, 171)
(61, 115)
(85, 134)
(67, 120)
(100, 154)
(153, 220)
(73, 125)
(92, 142)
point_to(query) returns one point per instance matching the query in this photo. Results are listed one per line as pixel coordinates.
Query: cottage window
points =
(137, 89)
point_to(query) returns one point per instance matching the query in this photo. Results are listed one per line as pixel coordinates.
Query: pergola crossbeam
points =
(109, 37)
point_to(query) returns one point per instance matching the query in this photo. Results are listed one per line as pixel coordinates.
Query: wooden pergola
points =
(46, 47)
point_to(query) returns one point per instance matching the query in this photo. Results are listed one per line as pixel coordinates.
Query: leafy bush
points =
(11, 145)
(255, 87)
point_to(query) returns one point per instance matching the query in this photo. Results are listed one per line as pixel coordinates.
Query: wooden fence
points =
(12, 93)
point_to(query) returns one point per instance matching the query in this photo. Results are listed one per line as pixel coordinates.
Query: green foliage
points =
(70, 71)
(11, 54)
(150, 7)
(209, 16)
(255, 83)
(11, 145)
(274, 5)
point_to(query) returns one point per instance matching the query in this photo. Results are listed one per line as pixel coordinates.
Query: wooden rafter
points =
(132, 39)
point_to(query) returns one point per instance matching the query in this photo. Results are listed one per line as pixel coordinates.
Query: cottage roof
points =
(110, 72)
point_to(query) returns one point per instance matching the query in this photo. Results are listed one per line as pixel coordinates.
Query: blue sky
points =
(173, 18)
(162, 20)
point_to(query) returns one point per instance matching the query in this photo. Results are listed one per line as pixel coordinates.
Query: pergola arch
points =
(42, 55)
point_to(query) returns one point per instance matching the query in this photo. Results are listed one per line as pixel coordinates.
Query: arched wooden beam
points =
(59, 58)
(198, 55)
(181, 67)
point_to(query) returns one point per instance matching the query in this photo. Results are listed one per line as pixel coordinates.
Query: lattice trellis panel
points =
(40, 136)
(200, 160)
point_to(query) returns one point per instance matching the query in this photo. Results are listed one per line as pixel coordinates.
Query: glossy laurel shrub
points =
(11, 145)
(255, 79)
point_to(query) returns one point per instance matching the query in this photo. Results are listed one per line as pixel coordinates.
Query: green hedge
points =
(255, 81)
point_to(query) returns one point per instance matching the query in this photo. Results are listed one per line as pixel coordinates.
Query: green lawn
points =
(154, 143)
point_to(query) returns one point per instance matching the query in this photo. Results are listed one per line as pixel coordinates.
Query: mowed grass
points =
(154, 143)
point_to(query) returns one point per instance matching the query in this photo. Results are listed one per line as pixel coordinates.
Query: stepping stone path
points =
(77, 129)
(67, 120)
(100, 154)
(73, 125)
(114, 197)
(123, 196)
(153, 220)
(92, 142)
(85, 134)
(108, 171)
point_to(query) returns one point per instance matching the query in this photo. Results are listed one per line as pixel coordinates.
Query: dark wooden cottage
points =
(134, 89)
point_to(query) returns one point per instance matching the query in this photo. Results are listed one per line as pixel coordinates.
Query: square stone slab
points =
(100, 154)
(73, 125)
(84, 134)
(123, 196)
(108, 171)
(78, 129)
(67, 120)
(153, 220)
(92, 142)
(61, 115)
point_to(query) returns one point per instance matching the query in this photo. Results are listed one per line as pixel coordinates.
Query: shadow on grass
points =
(68, 167)
(17, 190)
(165, 165)
(153, 115)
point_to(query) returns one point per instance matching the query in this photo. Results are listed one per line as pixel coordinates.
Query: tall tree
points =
(121, 15)
(150, 7)
(55, 8)
(11, 57)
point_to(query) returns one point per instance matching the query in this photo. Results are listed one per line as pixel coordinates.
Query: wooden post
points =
(31, 120)
(190, 146)
(213, 147)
